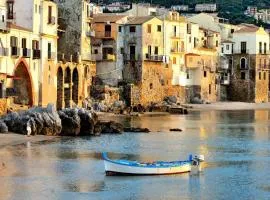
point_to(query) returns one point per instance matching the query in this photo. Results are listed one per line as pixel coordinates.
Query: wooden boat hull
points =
(114, 168)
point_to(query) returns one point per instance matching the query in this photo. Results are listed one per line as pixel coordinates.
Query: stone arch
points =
(23, 85)
(67, 87)
(75, 86)
(60, 84)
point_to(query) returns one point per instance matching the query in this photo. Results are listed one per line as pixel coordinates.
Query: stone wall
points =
(179, 92)
(261, 87)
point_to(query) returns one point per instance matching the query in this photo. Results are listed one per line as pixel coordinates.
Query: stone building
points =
(249, 64)
(108, 47)
(76, 66)
(145, 64)
(28, 51)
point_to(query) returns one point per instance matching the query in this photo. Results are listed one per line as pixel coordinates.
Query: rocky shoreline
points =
(66, 122)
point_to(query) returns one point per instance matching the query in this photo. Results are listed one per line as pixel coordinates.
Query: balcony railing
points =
(225, 80)
(108, 34)
(52, 20)
(15, 51)
(158, 58)
(241, 51)
(51, 55)
(3, 51)
(26, 52)
(36, 54)
(109, 57)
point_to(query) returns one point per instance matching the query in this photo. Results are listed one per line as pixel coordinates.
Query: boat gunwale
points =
(181, 163)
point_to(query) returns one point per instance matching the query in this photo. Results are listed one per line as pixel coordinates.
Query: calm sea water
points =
(236, 145)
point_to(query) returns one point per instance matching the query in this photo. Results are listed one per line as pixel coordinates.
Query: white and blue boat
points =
(127, 167)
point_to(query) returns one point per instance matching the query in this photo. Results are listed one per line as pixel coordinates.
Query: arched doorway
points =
(67, 87)
(23, 85)
(60, 83)
(75, 86)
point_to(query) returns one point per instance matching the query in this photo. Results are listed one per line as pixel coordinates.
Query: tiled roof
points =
(100, 18)
(248, 28)
(139, 20)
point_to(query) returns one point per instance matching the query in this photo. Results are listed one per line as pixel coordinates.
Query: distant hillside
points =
(230, 9)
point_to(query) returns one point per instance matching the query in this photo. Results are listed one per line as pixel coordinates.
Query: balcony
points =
(241, 51)
(109, 57)
(52, 20)
(177, 50)
(90, 33)
(26, 52)
(36, 54)
(3, 51)
(15, 51)
(225, 80)
(157, 58)
(108, 34)
(51, 55)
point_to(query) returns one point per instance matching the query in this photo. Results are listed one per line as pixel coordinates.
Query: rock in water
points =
(71, 122)
(110, 127)
(87, 122)
(3, 127)
(175, 129)
(136, 130)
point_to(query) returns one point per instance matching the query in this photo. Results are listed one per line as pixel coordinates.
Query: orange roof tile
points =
(101, 18)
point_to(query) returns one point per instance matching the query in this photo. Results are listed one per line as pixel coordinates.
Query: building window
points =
(216, 43)
(122, 51)
(188, 75)
(189, 39)
(243, 75)
(156, 50)
(3, 18)
(50, 15)
(265, 48)
(132, 29)
(24, 43)
(227, 47)
(260, 47)
(210, 89)
(243, 47)
(13, 41)
(158, 28)
(151, 86)
(10, 14)
(222, 49)
(96, 51)
(264, 75)
(149, 28)
(204, 73)
(243, 64)
(120, 29)
(174, 60)
(260, 76)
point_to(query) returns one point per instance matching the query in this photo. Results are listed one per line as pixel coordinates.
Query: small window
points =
(24, 43)
(210, 89)
(174, 60)
(122, 50)
(3, 18)
(132, 29)
(222, 49)
(13, 41)
(151, 86)
(232, 30)
(159, 28)
(216, 43)
(264, 75)
(227, 47)
(156, 50)
(188, 76)
(204, 73)
(149, 28)
(243, 75)
(190, 39)
(120, 29)
(260, 76)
